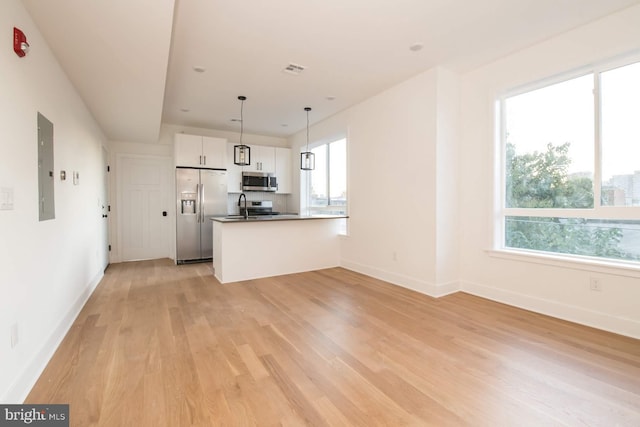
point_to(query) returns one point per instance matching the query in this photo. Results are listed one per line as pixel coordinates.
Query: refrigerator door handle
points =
(198, 204)
(201, 202)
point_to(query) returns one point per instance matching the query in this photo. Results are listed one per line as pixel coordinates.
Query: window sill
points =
(617, 268)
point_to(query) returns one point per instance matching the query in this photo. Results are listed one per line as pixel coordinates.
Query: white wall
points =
(401, 202)
(48, 268)
(561, 290)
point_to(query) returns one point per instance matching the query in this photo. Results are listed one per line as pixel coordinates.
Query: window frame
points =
(306, 182)
(598, 211)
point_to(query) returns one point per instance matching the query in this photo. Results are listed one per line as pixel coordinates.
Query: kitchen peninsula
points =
(251, 248)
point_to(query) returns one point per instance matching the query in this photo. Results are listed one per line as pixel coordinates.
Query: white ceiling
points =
(132, 60)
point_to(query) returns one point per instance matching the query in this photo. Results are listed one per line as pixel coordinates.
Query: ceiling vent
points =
(294, 69)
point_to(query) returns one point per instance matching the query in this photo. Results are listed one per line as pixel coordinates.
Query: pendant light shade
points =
(307, 158)
(241, 152)
(241, 155)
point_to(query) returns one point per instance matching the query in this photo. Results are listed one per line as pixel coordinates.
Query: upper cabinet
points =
(263, 159)
(200, 151)
(208, 152)
(276, 160)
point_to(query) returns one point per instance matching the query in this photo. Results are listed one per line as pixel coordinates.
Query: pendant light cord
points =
(241, 119)
(307, 109)
(307, 130)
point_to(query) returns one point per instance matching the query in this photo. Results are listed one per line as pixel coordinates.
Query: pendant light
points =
(307, 158)
(241, 152)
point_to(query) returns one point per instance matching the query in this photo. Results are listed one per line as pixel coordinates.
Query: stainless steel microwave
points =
(259, 181)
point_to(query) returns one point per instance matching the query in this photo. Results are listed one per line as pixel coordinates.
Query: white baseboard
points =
(447, 288)
(20, 389)
(594, 319)
(435, 290)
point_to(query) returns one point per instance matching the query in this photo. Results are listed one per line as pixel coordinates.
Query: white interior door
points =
(144, 185)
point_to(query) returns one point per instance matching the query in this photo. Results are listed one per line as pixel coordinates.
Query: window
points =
(620, 95)
(327, 183)
(571, 166)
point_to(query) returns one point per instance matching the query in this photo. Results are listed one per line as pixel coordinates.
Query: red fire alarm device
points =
(20, 45)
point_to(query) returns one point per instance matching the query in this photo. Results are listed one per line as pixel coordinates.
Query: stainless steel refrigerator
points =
(200, 195)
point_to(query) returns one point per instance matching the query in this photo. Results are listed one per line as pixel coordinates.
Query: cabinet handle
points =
(200, 161)
(205, 160)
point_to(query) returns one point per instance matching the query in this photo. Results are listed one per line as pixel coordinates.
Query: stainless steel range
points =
(260, 207)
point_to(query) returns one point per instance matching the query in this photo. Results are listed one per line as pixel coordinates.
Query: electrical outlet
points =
(15, 339)
(595, 284)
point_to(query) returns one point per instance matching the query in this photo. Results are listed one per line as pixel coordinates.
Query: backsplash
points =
(280, 201)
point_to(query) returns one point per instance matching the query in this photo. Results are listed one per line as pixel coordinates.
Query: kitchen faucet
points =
(246, 212)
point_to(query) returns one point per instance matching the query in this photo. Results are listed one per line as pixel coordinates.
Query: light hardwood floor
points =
(165, 345)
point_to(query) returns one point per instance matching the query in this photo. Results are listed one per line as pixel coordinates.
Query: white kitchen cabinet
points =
(283, 169)
(263, 159)
(276, 160)
(200, 151)
(234, 172)
(214, 152)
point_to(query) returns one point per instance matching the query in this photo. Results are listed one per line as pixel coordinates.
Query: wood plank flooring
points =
(165, 345)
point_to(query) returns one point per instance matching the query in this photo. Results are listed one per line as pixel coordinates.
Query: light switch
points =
(6, 199)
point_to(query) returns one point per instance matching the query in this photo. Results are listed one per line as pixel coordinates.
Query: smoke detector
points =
(294, 69)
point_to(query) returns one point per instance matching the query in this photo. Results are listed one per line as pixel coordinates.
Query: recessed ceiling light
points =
(185, 110)
(330, 98)
(416, 47)
(284, 125)
(199, 69)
